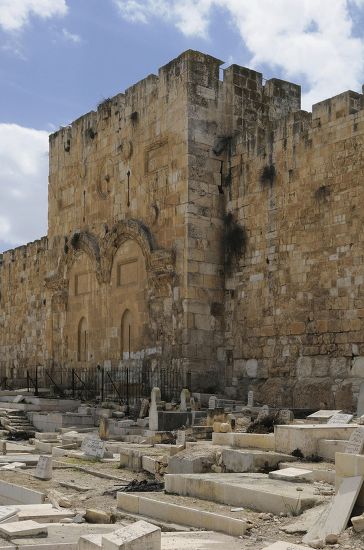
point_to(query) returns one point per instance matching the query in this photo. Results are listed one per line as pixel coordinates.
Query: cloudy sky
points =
(59, 58)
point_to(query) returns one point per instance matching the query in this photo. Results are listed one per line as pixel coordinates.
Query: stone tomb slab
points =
(254, 491)
(7, 512)
(322, 415)
(282, 545)
(291, 474)
(23, 529)
(356, 442)
(335, 517)
(139, 536)
(340, 418)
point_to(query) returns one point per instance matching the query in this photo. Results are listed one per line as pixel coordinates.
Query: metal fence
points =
(123, 384)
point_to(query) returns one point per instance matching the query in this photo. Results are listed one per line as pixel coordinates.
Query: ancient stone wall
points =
(23, 308)
(294, 307)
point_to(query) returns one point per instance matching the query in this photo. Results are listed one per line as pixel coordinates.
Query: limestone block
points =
(44, 468)
(27, 528)
(358, 523)
(137, 536)
(97, 516)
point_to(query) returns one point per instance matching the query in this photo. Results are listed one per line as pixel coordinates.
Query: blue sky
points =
(59, 58)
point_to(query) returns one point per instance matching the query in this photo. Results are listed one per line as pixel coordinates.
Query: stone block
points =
(305, 437)
(358, 523)
(27, 528)
(245, 440)
(239, 460)
(97, 516)
(137, 536)
(16, 494)
(44, 468)
(292, 474)
(90, 542)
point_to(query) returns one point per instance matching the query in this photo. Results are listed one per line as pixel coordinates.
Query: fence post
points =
(127, 390)
(73, 383)
(36, 382)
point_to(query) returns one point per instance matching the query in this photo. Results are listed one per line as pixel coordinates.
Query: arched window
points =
(82, 340)
(126, 340)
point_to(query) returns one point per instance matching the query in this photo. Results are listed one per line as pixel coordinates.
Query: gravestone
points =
(250, 399)
(93, 447)
(355, 444)
(153, 410)
(144, 408)
(263, 413)
(340, 418)
(185, 400)
(104, 428)
(43, 469)
(285, 416)
(360, 409)
(181, 438)
(213, 402)
(335, 517)
(7, 512)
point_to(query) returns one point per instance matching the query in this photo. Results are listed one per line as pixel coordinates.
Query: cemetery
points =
(198, 470)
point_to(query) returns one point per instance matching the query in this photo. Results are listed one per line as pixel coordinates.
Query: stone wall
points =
(201, 220)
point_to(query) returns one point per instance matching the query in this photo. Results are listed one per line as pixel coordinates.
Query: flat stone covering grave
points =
(16, 494)
(340, 418)
(93, 447)
(254, 491)
(291, 474)
(139, 536)
(22, 528)
(282, 545)
(7, 512)
(336, 516)
(356, 442)
(253, 460)
(322, 415)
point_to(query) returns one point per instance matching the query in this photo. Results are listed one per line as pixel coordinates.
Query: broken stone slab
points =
(90, 542)
(335, 518)
(29, 460)
(138, 536)
(303, 523)
(358, 523)
(44, 468)
(23, 529)
(93, 515)
(46, 436)
(7, 512)
(13, 466)
(292, 474)
(42, 513)
(254, 491)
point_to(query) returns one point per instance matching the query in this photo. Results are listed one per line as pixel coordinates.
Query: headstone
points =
(263, 413)
(285, 416)
(93, 447)
(153, 410)
(144, 408)
(139, 535)
(360, 408)
(340, 418)
(104, 428)
(185, 400)
(181, 438)
(355, 444)
(213, 402)
(250, 399)
(43, 469)
(335, 517)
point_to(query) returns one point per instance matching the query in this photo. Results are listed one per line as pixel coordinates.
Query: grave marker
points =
(213, 402)
(93, 447)
(250, 399)
(355, 444)
(340, 418)
(153, 410)
(181, 438)
(43, 469)
(185, 400)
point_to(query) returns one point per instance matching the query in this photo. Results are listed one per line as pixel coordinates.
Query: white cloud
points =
(305, 40)
(71, 37)
(14, 14)
(23, 184)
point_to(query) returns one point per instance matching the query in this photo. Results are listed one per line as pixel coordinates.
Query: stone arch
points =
(82, 341)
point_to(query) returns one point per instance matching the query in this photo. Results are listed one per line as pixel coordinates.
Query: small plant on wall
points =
(234, 241)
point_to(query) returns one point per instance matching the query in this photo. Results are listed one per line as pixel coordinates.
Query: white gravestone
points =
(93, 447)
(213, 402)
(185, 400)
(340, 418)
(153, 410)
(355, 444)
(44, 468)
(250, 399)
(181, 438)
